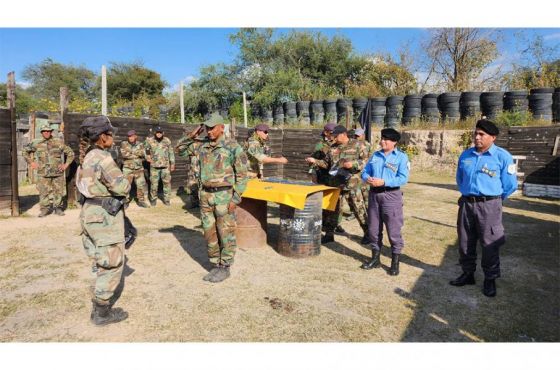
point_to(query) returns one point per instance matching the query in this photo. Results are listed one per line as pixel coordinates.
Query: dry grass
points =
(44, 281)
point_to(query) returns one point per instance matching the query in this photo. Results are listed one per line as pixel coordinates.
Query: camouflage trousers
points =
(192, 187)
(51, 191)
(155, 175)
(219, 226)
(103, 241)
(138, 177)
(357, 206)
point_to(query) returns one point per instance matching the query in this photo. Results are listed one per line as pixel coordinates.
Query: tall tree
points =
(459, 56)
(129, 81)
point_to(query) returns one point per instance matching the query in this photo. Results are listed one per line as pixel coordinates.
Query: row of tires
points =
(542, 103)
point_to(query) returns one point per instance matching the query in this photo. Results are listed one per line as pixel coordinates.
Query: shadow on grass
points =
(526, 204)
(192, 242)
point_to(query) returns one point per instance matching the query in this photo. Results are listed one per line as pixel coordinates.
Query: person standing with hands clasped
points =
(385, 172)
(486, 175)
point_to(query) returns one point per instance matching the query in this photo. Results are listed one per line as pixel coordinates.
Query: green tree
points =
(25, 103)
(130, 81)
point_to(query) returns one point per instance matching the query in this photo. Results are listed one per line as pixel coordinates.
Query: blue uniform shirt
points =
(392, 168)
(491, 173)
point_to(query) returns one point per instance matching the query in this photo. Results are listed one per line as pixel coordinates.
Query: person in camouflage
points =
(46, 156)
(159, 153)
(192, 186)
(345, 160)
(103, 188)
(133, 154)
(258, 152)
(223, 179)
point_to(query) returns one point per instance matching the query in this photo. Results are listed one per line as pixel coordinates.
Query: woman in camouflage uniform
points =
(103, 188)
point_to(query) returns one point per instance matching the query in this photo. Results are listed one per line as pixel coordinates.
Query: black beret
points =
(158, 129)
(391, 134)
(339, 130)
(488, 126)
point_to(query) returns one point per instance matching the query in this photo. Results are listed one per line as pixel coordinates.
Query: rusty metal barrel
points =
(300, 229)
(251, 223)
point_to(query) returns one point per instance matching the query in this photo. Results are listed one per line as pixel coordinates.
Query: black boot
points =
(105, 314)
(221, 274)
(365, 240)
(489, 289)
(466, 278)
(374, 263)
(211, 274)
(58, 211)
(327, 238)
(45, 212)
(339, 230)
(394, 270)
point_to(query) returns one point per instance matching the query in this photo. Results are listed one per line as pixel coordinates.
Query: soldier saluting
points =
(223, 179)
(46, 156)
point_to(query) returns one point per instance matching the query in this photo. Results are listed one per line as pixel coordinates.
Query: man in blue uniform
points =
(385, 172)
(486, 176)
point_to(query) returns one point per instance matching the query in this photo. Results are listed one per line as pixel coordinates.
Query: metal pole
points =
(244, 110)
(11, 92)
(103, 90)
(182, 102)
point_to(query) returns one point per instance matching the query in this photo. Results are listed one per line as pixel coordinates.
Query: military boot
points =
(466, 278)
(45, 212)
(211, 274)
(327, 238)
(105, 314)
(153, 203)
(339, 230)
(58, 211)
(143, 204)
(394, 270)
(489, 289)
(220, 275)
(375, 262)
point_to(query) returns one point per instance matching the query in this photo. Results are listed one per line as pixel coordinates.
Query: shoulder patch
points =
(511, 169)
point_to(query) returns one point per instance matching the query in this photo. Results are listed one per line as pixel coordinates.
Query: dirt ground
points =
(44, 278)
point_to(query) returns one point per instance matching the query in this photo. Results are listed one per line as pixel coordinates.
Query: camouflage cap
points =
(214, 120)
(45, 127)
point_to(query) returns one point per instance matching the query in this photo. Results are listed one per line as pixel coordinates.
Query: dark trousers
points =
(386, 208)
(480, 221)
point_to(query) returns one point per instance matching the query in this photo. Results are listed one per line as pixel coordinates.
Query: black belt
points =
(95, 201)
(210, 189)
(477, 198)
(382, 189)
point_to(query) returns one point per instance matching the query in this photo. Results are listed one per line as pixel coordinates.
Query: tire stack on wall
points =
(449, 106)
(330, 110)
(516, 101)
(469, 104)
(302, 109)
(430, 110)
(290, 113)
(342, 105)
(378, 111)
(491, 104)
(358, 105)
(394, 111)
(278, 117)
(540, 103)
(317, 112)
(412, 109)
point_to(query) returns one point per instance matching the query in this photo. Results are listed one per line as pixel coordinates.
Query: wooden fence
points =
(5, 161)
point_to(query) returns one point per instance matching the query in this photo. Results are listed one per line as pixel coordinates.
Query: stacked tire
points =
(278, 115)
(491, 104)
(358, 105)
(302, 110)
(556, 105)
(469, 104)
(412, 109)
(540, 103)
(266, 115)
(290, 113)
(342, 105)
(449, 106)
(330, 110)
(430, 110)
(378, 111)
(516, 101)
(317, 112)
(394, 111)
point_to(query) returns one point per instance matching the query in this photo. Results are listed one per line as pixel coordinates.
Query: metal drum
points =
(300, 229)
(251, 223)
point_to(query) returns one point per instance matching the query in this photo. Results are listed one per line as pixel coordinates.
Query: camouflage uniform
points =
(256, 150)
(355, 151)
(102, 234)
(223, 178)
(133, 155)
(192, 186)
(320, 152)
(52, 182)
(161, 153)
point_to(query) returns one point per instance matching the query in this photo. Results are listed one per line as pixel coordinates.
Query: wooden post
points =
(103, 90)
(244, 110)
(64, 99)
(11, 92)
(182, 102)
(71, 170)
(31, 138)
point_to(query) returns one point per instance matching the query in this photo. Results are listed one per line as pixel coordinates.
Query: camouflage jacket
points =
(320, 152)
(256, 150)
(356, 151)
(221, 163)
(133, 155)
(48, 154)
(99, 176)
(181, 148)
(161, 152)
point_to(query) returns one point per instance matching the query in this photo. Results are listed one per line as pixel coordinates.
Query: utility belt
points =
(110, 204)
(383, 189)
(210, 189)
(477, 198)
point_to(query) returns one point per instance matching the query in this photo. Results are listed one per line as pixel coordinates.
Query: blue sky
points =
(178, 53)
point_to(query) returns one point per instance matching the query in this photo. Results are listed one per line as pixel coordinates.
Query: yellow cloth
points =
(289, 194)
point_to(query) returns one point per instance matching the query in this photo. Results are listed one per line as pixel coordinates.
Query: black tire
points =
(542, 90)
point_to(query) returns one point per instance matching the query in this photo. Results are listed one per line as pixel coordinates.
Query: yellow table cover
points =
(290, 194)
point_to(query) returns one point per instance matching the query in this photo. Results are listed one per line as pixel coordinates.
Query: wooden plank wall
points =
(5, 162)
